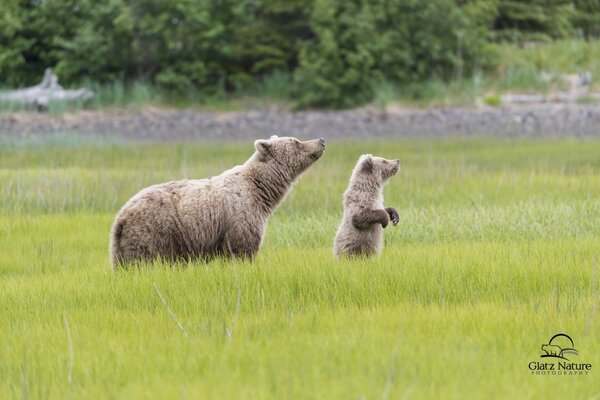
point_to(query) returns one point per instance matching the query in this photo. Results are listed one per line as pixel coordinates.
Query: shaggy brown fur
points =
(223, 215)
(361, 231)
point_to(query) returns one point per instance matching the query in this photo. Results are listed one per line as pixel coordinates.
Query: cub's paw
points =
(384, 219)
(394, 217)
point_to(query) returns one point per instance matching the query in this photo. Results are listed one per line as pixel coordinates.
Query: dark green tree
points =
(587, 18)
(13, 44)
(533, 20)
(360, 42)
(335, 50)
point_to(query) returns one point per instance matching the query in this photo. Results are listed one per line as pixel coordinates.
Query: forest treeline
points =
(332, 52)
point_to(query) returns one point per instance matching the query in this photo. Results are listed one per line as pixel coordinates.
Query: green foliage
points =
(335, 67)
(335, 50)
(520, 68)
(332, 53)
(359, 43)
(534, 20)
(12, 44)
(493, 100)
(587, 17)
(176, 44)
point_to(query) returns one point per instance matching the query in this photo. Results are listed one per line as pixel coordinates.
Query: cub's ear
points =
(366, 164)
(274, 137)
(263, 147)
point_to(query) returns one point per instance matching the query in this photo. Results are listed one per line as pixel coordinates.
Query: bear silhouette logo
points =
(557, 347)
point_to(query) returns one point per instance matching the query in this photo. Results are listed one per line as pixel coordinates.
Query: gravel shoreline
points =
(151, 124)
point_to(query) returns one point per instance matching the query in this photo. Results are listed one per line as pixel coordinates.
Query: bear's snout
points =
(315, 147)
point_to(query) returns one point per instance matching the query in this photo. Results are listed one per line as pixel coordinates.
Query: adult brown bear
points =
(224, 215)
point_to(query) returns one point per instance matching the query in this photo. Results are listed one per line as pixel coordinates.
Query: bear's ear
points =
(366, 165)
(263, 147)
(274, 137)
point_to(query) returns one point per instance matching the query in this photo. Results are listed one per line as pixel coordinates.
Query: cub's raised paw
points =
(394, 217)
(384, 218)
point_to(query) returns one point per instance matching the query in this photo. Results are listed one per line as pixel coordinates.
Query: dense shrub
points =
(534, 20)
(13, 44)
(359, 43)
(333, 51)
(587, 18)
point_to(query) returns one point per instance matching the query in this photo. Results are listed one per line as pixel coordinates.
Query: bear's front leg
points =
(394, 217)
(242, 241)
(366, 218)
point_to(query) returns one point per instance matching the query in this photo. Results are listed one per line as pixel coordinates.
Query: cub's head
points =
(289, 153)
(378, 168)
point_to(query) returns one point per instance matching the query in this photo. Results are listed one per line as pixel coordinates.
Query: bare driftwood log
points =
(39, 96)
(522, 98)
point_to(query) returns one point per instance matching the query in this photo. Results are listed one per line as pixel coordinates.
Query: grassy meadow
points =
(497, 250)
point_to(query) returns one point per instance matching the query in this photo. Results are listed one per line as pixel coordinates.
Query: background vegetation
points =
(497, 250)
(330, 53)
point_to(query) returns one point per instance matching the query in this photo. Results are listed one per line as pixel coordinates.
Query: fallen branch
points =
(39, 96)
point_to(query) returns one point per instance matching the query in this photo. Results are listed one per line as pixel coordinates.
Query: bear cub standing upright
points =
(361, 231)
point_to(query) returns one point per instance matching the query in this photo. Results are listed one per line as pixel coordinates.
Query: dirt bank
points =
(182, 125)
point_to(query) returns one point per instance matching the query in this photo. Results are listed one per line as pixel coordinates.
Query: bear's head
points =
(377, 167)
(289, 153)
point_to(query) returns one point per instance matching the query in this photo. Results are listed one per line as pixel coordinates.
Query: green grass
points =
(497, 250)
(517, 69)
(560, 57)
(272, 90)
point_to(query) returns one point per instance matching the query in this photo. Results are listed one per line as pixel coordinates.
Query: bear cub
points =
(361, 230)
